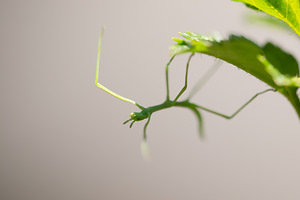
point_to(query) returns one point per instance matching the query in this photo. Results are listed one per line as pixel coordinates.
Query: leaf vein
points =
(284, 18)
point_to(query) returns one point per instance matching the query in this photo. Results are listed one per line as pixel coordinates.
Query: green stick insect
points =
(146, 112)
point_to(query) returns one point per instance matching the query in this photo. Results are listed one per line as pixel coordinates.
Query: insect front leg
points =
(102, 87)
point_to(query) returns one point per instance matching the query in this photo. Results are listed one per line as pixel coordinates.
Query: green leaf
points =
(268, 63)
(286, 10)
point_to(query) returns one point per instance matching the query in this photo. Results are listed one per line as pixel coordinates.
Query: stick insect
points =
(146, 112)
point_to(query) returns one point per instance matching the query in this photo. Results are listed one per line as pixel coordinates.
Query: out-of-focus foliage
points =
(286, 10)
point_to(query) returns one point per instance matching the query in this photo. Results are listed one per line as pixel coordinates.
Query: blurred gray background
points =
(62, 138)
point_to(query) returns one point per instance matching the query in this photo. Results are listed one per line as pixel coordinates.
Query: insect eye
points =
(138, 119)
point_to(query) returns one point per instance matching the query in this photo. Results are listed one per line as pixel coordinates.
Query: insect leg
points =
(186, 77)
(145, 128)
(97, 76)
(200, 121)
(236, 112)
(167, 78)
(205, 78)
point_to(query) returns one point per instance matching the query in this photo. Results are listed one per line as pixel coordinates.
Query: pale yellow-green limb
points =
(97, 76)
